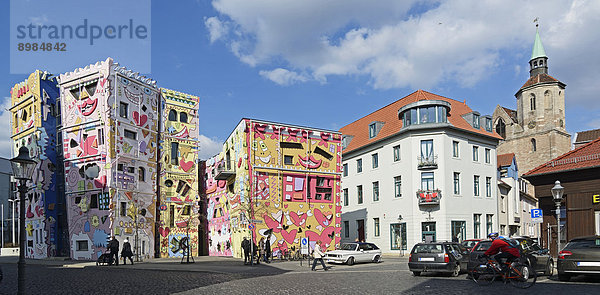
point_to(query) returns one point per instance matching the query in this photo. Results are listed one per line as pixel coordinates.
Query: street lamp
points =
(557, 195)
(22, 167)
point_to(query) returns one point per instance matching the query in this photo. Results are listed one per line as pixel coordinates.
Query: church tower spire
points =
(538, 64)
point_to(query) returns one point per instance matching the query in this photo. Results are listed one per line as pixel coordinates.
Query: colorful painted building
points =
(110, 144)
(35, 121)
(179, 196)
(276, 179)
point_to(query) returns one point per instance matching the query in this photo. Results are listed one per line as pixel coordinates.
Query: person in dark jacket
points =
(113, 246)
(126, 252)
(506, 250)
(268, 249)
(246, 248)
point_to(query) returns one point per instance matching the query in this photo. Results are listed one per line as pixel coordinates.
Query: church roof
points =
(388, 115)
(541, 78)
(511, 113)
(587, 136)
(583, 157)
(538, 48)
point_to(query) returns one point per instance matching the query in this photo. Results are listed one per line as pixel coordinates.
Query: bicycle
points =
(519, 275)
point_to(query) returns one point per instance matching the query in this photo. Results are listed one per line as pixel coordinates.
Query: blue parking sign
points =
(536, 213)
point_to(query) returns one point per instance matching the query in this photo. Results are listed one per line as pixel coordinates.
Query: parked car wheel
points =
(550, 268)
(350, 261)
(456, 270)
(564, 277)
(377, 259)
(416, 273)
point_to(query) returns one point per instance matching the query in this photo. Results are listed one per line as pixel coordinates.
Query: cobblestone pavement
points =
(168, 277)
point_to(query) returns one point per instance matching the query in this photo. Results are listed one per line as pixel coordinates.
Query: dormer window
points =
(346, 141)
(372, 130)
(424, 112)
(475, 121)
(488, 124)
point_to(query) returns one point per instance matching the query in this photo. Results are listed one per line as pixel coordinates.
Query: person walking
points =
(126, 252)
(318, 253)
(268, 249)
(261, 248)
(246, 249)
(113, 246)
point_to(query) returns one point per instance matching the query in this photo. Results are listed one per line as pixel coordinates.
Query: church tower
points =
(535, 132)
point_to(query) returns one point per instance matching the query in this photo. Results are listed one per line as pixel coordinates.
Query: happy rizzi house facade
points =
(274, 178)
(35, 120)
(110, 132)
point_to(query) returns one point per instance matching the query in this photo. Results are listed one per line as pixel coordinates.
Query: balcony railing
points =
(224, 171)
(427, 162)
(429, 197)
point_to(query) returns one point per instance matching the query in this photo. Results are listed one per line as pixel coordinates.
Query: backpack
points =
(513, 244)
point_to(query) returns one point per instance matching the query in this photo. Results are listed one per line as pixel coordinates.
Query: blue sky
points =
(326, 64)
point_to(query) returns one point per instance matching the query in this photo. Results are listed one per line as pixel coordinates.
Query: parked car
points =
(580, 256)
(469, 244)
(449, 257)
(532, 254)
(350, 253)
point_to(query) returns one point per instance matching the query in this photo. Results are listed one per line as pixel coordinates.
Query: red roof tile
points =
(541, 78)
(505, 159)
(359, 129)
(586, 136)
(511, 113)
(586, 156)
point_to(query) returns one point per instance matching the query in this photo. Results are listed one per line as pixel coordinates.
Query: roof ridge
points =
(563, 156)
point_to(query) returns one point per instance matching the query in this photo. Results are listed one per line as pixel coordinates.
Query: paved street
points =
(226, 275)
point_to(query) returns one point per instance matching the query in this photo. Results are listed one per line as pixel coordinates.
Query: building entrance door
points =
(597, 213)
(361, 229)
(428, 231)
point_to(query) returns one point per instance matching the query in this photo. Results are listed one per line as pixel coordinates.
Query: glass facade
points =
(398, 236)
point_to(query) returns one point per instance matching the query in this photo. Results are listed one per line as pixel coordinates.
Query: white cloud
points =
(412, 44)
(209, 147)
(283, 76)
(216, 28)
(5, 141)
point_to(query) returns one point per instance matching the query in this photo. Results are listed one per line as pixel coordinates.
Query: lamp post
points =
(557, 195)
(22, 166)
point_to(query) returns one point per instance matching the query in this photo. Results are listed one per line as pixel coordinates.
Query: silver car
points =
(350, 253)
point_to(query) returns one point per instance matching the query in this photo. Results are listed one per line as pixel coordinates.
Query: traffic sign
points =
(537, 220)
(256, 221)
(251, 226)
(304, 246)
(536, 213)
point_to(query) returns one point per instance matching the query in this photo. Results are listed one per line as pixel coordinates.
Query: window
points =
(123, 109)
(130, 169)
(359, 166)
(346, 229)
(475, 121)
(476, 225)
(475, 153)
(375, 160)
(476, 185)
(130, 134)
(346, 201)
(488, 124)
(489, 224)
(427, 183)
(501, 128)
(123, 210)
(359, 194)
(141, 174)
(174, 153)
(488, 154)
(397, 186)
(457, 183)
(82, 245)
(427, 150)
(455, 149)
(183, 117)
(532, 101)
(376, 230)
(172, 215)
(119, 167)
(94, 201)
(424, 115)
(346, 169)
(488, 186)
(502, 204)
(186, 210)
(372, 130)
(428, 231)
(100, 136)
(533, 145)
(397, 153)
(458, 229)
(398, 236)
(376, 191)
(172, 115)
(288, 160)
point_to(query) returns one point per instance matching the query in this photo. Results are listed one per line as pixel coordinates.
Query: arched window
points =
(501, 128)
(533, 145)
(548, 99)
(183, 117)
(172, 115)
(535, 63)
(141, 174)
(532, 101)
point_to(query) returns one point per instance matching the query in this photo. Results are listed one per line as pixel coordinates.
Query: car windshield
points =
(469, 244)
(428, 248)
(483, 246)
(349, 247)
(583, 244)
